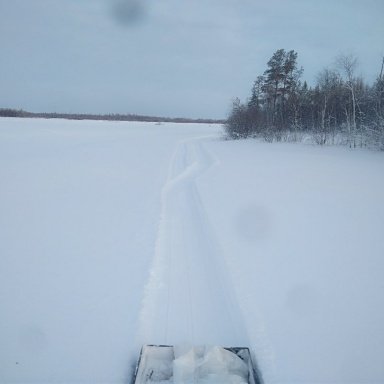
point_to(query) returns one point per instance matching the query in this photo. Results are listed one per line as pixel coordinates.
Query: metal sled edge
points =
(244, 353)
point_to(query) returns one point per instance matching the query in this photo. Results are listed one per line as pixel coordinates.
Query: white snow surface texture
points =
(114, 235)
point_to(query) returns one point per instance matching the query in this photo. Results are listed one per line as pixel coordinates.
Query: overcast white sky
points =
(170, 57)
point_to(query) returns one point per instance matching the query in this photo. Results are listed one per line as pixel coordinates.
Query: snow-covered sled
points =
(172, 364)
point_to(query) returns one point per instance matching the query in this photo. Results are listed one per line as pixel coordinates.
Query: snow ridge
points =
(188, 293)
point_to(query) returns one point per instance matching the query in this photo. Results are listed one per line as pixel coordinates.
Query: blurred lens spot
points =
(252, 223)
(33, 338)
(302, 299)
(128, 12)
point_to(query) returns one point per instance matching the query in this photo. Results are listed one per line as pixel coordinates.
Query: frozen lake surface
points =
(116, 234)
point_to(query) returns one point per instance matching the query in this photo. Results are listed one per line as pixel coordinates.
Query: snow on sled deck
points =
(208, 365)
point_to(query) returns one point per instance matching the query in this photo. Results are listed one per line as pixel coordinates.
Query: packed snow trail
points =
(188, 298)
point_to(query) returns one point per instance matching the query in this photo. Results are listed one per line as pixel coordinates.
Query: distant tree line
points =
(340, 108)
(8, 112)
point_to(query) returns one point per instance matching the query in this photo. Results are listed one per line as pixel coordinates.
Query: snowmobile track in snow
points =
(188, 298)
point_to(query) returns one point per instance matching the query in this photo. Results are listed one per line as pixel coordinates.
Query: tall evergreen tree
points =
(281, 79)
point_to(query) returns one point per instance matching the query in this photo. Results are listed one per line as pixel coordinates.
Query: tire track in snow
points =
(188, 297)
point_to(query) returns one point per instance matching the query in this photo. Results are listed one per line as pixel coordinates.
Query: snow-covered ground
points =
(117, 234)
